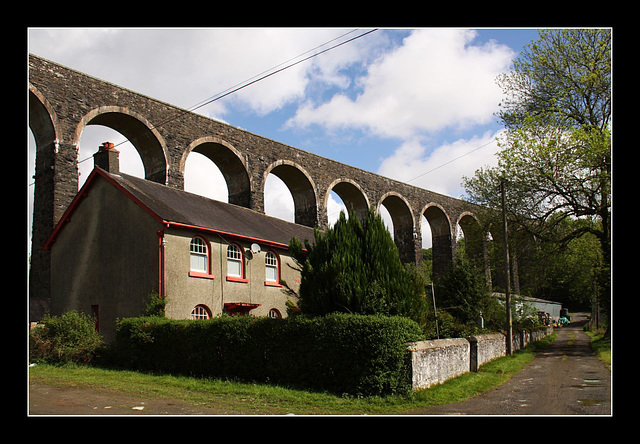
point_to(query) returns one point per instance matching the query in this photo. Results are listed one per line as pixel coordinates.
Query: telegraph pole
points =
(507, 293)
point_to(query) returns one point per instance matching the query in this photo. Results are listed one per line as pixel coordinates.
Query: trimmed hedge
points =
(339, 353)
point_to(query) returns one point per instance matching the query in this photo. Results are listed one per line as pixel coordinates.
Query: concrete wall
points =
(434, 362)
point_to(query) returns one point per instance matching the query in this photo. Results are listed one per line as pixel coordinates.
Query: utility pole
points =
(435, 311)
(507, 293)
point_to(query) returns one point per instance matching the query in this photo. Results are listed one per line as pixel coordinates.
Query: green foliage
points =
(556, 151)
(354, 267)
(569, 274)
(462, 297)
(155, 305)
(341, 353)
(68, 338)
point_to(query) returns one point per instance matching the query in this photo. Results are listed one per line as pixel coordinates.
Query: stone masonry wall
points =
(63, 101)
(436, 361)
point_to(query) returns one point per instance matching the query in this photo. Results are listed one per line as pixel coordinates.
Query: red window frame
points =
(242, 277)
(207, 274)
(275, 283)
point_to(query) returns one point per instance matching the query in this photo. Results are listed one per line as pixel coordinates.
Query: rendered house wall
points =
(183, 292)
(106, 255)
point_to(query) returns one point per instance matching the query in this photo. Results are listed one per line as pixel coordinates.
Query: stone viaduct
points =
(62, 102)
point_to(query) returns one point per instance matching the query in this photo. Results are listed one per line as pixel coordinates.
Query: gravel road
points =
(566, 378)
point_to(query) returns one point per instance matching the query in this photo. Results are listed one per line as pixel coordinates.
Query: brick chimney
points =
(107, 158)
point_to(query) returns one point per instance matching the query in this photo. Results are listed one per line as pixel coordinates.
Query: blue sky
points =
(403, 103)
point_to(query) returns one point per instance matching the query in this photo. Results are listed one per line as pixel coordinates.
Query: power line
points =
(452, 160)
(253, 79)
(263, 76)
(200, 104)
(440, 166)
(287, 67)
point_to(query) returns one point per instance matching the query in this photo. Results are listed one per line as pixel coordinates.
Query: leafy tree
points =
(462, 292)
(354, 267)
(568, 275)
(556, 150)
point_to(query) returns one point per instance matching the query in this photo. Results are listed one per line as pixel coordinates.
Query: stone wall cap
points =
(486, 336)
(437, 343)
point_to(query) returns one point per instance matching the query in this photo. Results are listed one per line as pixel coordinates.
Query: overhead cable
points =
(253, 80)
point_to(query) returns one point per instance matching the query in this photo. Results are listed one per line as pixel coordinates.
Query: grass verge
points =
(601, 346)
(261, 399)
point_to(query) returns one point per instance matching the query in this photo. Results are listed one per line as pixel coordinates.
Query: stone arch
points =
(44, 128)
(476, 245)
(229, 161)
(42, 120)
(140, 132)
(351, 194)
(403, 224)
(442, 238)
(302, 188)
(473, 235)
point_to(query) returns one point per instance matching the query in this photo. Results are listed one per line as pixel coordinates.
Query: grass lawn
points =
(263, 399)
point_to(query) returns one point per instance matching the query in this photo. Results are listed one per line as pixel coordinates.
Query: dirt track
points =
(565, 379)
(51, 400)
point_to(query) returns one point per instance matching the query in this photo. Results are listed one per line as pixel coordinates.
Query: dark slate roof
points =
(173, 205)
(178, 207)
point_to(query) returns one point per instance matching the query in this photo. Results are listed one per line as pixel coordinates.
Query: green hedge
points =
(340, 353)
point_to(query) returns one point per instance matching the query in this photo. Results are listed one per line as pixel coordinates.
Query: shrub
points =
(68, 338)
(155, 305)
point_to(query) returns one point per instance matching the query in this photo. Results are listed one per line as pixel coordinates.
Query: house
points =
(124, 238)
(548, 311)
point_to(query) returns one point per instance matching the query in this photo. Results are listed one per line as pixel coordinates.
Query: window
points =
(272, 269)
(274, 313)
(200, 312)
(235, 264)
(199, 264)
(198, 255)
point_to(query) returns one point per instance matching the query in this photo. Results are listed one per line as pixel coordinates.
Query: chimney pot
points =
(107, 158)
(106, 146)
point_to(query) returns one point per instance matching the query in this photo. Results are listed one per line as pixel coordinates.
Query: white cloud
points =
(335, 205)
(442, 168)
(437, 79)
(186, 66)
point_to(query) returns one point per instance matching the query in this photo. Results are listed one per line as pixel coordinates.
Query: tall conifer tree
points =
(354, 267)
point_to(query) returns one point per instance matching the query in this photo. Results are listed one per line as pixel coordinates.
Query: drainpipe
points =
(161, 261)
